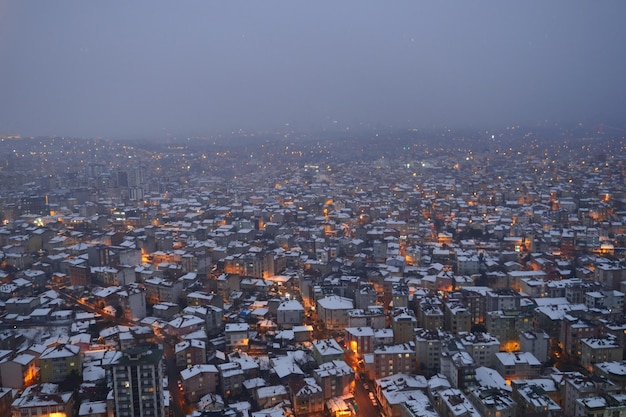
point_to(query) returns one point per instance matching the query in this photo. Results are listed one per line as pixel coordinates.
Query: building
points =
(394, 359)
(133, 302)
(373, 317)
(532, 400)
(159, 290)
(93, 409)
(506, 326)
(417, 408)
(610, 275)
(536, 342)
(19, 371)
(6, 399)
(481, 346)
(60, 361)
(573, 331)
(336, 378)
(504, 299)
(231, 379)
(138, 382)
(333, 311)
(236, 335)
(267, 397)
(403, 323)
(457, 318)
(290, 313)
(430, 314)
(185, 324)
(395, 390)
(578, 386)
(600, 349)
(517, 365)
(453, 403)
(43, 400)
(251, 264)
(22, 305)
(365, 296)
(613, 371)
(189, 353)
(326, 350)
(307, 397)
(360, 340)
(459, 367)
(493, 402)
(605, 405)
(198, 381)
(428, 350)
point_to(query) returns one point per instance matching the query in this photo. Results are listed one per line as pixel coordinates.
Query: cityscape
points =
(312, 209)
(346, 272)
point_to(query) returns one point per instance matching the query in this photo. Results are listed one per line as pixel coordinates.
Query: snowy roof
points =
(304, 387)
(89, 408)
(186, 321)
(517, 358)
(458, 404)
(271, 391)
(616, 368)
(400, 388)
(335, 302)
(334, 368)
(196, 370)
(236, 327)
(291, 305)
(360, 331)
(327, 347)
(60, 351)
(490, 378)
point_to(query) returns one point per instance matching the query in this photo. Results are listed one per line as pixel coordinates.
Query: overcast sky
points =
(142, 68)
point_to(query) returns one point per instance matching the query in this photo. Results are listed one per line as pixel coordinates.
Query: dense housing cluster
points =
(378, 274)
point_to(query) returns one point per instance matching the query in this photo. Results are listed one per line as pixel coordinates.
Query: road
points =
(177, 402)
(361, 395)
(366, 409)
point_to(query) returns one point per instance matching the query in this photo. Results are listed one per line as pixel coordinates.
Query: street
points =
(366, 409)
(177, 402)
(361, 395)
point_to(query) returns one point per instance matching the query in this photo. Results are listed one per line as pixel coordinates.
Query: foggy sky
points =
(140, 68)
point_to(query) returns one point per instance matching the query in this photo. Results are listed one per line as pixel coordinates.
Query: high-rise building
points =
(138, 382)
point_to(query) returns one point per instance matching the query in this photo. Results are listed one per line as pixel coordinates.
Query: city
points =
(337, 273)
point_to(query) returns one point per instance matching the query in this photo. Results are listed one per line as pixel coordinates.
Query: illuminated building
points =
(393, 359)
(236, 335)
(19, 371)
(43, 400)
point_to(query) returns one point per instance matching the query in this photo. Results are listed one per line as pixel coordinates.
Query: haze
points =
(145, 68)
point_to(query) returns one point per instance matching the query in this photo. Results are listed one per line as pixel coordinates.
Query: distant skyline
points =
(148, 68)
